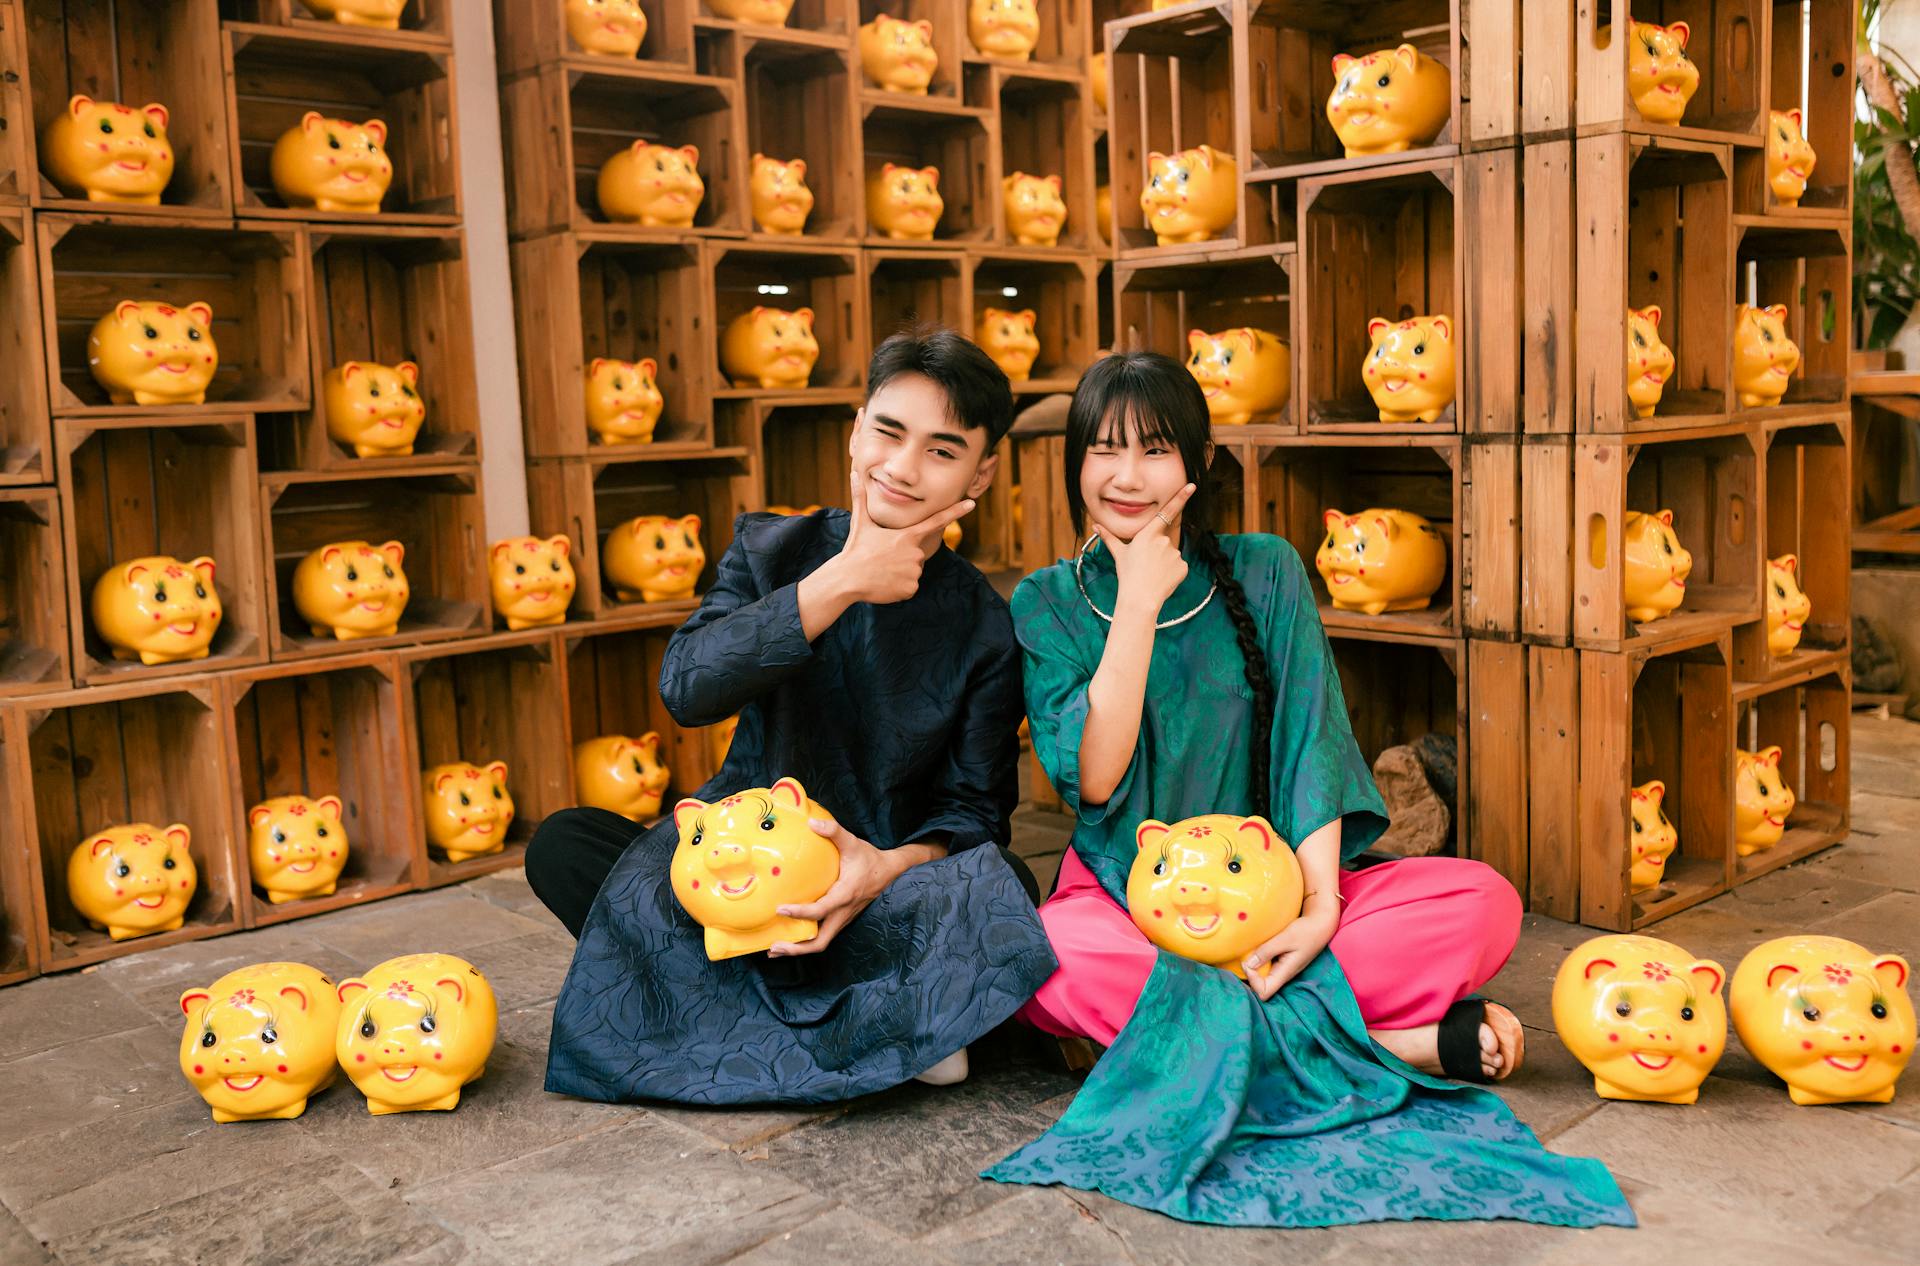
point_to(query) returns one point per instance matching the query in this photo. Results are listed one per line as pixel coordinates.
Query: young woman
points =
(1172, 672)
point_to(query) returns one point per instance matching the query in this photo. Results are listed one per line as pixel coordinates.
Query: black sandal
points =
(1459, 1041)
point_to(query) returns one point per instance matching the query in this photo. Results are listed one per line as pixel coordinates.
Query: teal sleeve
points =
(1057, 676)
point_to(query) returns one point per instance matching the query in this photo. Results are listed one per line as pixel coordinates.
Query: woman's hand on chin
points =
(1149, 567)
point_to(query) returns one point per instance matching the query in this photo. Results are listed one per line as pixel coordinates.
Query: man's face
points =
(910, 458)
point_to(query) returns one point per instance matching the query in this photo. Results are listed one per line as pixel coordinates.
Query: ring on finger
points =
(1163, 518)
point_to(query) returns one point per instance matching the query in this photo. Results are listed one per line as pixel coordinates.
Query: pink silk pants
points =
(1415, 937)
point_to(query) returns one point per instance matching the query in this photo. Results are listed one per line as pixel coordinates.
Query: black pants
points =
(573, 850)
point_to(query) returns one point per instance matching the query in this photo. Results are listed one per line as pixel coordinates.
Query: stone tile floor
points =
(106, 1155)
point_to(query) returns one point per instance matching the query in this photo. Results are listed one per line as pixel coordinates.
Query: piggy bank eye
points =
(496, 793)
(168, 864)
(1419, 349)
(519, 569)
(366, 1027)
(269, 1035)
(374, 392)
(150, 131)
(1636, 826)
(387, 568)
(1766, 334)
(1623, 1008)
(1812, 1014)
(1359, 547)
(106, 127)
(1666, 545)
(149, 331)
(1639, 339)
(193, 336)
(636, 766)
(1778, 592)
(352, 574)
(279, 836)
(199, 591)
(1383, 81)
(159, 593)
(1686, 1013)
(1159, 868)
(1879, 1010)
(695, 841)
(1329, 544)
(766, 824)
(427, 1025)
(463, 798)
(659, 542)
(207, 1038)
(333, 142)
(321, 832)
(122, 870)
(553, 565)
(1233, 867)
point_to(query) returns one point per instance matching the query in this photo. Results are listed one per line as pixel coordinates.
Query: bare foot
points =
(1503, 1044)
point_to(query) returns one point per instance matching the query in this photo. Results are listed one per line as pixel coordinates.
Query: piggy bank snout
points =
(1193, 892)
(726, 855)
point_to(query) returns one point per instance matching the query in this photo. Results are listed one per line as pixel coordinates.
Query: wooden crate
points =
(588, 295)
(1491, 357)
(562, 123)
(134, 52)
(426, 22)
(1576, 71)
(1062, 291)
(1552, 772)
(613, 687)
(20, 917)
(275, 75)
(1546, 551)
(387, 295)
(949, 21)
(254, 275)
(1810, 270)
(1234, 478)
(961, 144)
(1652, 226)
(435, 514)
(1398, 689)
(908, 287)
(1043, 527)
(18, 179)
(1494, 785)
(136, 752)
(185, 489)
(1883, 521)
(26, 445)
(1043, 132)
(1376, 244)
(501, 697)
(826, 279)
(1810, 68)
(527, 36)
(1156, 305)
(801, 451)
(1547, 343)
(1809, 717)
(820, 23)
(1805, 466)
(332, 730)
(799, 104)
(1709, 478)
(35, 644)
(1491, 535)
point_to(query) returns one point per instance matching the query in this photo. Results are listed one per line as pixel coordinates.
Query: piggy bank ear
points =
(1408, 56)
(886, 169)
(1769, 756)
(1195, 338)
(78, 104)
(1340, 62)
(347, 987)
(1656, 791)
(1029, 316)
(297, 994)
(394, 551)
(458, 990)
(1777, 310)
(1681, 32)
(925, 27)
(157, 112)
(311, 120)
(125, 311)
(1596, 964)
(561, 545)
(192, 998)
(798, 166)
(1388, 528)
(933, 176)
(409, 371)
(498, 769)
(1377, 327)
(1781, 974)
(649, 742)
(1257, 830)
(1798, 122)
(1788, 563)
(351, 370)
(804, 316)
(442, 779)
(692, 523)
(1055, 182)
(759, 158)
(692, 153)
(1013, 180)
(101, 845)
(201, 314)
(1443, 326)
(258, 814)
(790, 793)
(1150, 832)
(204, 566)
(330, 553)
(1153, 157)
(1708, 974)
(501, 547)
(1892, 971)
(178, 835)
(376, 128)
(329, 806)
(1332, 518)
(686, 811)
(1653, 314)
(648, 366)
(1665, 516)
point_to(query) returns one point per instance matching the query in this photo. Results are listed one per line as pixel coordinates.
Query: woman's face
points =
(1125, 480)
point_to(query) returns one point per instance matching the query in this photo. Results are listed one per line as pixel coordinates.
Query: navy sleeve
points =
(738, 646)
(977, 786)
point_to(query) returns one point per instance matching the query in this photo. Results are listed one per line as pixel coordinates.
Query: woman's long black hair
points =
(1157, 400)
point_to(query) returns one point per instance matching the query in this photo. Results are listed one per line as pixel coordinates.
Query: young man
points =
(877, 667)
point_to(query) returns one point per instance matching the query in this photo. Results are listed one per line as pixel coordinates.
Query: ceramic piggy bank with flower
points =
(1213, 888)
(740, 859)
(1410, 371)
(1764, 358)
(653, 558)
(652, 185)
(1190, 195)
(468, 808)
(1790, 158)
(1009, 338)
(1830, 1018)
(1243, 373)
(1643, 1015)
(1035, 210)
(1787, 605)
(607, 28)
(332, 164)
(352, 589)
(770, 347)
(904, 202)
(258, 1042)
(381, 14)
(753, 12)
(133, 880)
(1380, 560)
(898, 55)
(1652, 838)
(624, 401)
(157, 609)
(1649, 361)
(1656, 566)
(374, 409)
(108, 151)
(1660, 77)
(532, 580)
(1388, 102)
(154, 353)
(414, 1031)
(1761, 800)
(779, 195)
(1004, 28)
(621, 775)
(296, 847)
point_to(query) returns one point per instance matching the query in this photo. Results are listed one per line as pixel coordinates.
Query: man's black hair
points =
(978, 395)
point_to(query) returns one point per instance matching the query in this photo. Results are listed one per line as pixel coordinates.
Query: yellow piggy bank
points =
(414, 1030)
(375, 409)
(1410, 371)
(133, 880)
(1761, 800)
(1828, 1017)
(1035, 210)
(158, 609)
(623, 400)
(753, 12)
(1097, 72)
(258, 1042)
(1764, 358)
(779, 194)
(1649, 361)
(770, 347)
(296, 847)
(532, 580)
(621, 775)
(1008, 338)
(1660, 78)
(1004, 28)
(468, 808)
(1242, 372)
(1213, 888)
(1103, 212)
(904, 202)
(332, 165)
(1790, 158)
(743, 857)
(653, 558)
(1787, 605)
(1643, 1015)
(652, 185)
(897, 55)
(154, 353)
(1380, 560)
(352, 589)
(1190, 195)
(1388, 102)
(607, 28)
(109, 152)
(1656, 566)
(1652, 838)
(382, 14)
